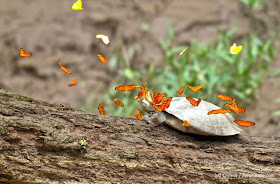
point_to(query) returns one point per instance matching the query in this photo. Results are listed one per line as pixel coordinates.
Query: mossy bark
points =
(39, 143)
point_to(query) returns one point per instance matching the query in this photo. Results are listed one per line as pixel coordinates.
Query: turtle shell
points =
(200, 121)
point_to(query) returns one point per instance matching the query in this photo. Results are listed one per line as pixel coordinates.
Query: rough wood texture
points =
(39, 144)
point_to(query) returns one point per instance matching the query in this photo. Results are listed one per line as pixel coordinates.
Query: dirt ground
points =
(51, 30)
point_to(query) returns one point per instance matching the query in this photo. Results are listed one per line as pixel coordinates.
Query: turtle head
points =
(147, 102)
(147, 105)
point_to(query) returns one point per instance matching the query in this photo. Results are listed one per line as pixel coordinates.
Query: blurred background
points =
(146, 38)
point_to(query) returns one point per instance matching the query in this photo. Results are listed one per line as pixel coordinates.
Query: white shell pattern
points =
(200, 121)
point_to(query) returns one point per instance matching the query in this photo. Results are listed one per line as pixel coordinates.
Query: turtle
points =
(180, 110)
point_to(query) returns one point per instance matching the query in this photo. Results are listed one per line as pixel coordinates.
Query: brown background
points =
(51, 30)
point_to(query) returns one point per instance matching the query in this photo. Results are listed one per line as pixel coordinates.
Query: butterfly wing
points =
(23, 54)
(118, 102)
(104, 38)
(186, 123)
(244, 123)
(183, 51)
(77, 5)
(234, 49)
(63, 68)
(140, 115)
(196, 88)
(181, 90)
(74, 82)
(217, 111)
(225, 97)
(101, 109)
(102, 58)
(193, 101)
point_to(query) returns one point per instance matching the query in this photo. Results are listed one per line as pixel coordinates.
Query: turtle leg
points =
(155, 119)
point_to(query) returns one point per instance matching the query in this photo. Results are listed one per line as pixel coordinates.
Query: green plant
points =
(252, 4)
(236, 75)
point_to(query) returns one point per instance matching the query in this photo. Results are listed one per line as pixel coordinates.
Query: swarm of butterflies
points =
(160, 103)
(104, 38)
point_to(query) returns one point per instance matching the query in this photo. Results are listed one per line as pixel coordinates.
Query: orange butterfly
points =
(158, 104)
(118, 102)
(101, 110)
(138, 96)
(159, 107)
(139, 116)
(240, 109)
(142, 93)
(74, 82)
(217, 111)
(23, 54)
(193, 101)
(102, 58)
(225, 97)
(144, 82)
(164, 105)
(181, 90)
(158, 97)
(145, 92)
(63, 68)
(186, 123)
(127, 87)
(196, 88)
(167, 102)
(244, 123)
(234, 107)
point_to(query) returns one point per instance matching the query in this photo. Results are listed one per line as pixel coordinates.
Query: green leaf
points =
(267, 45)
(248, 91)
(271, 53)
(254, 51)
(253, 83)
(275, 73)
(151, 70)
(122, 59)
(240, 68)
(164, 46)
(170, 32)
(113, 63)
(266, 58)
(239, 94)
(128, 73)
(176, 50)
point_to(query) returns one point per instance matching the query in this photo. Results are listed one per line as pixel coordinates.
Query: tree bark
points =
(39, 143)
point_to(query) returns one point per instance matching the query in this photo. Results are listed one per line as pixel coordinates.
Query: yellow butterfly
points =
(183, 51)
(234, 49)
(104, 38)
(77, 5)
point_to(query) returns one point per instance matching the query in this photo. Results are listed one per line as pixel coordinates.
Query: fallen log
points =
(42, 142)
